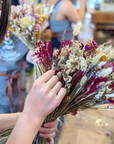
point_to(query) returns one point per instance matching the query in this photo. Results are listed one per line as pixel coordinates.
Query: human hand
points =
(45, 95)
(34, 57)
(49, 131)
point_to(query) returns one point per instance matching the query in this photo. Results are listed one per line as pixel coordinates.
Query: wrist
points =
(25, 129)
(34, 121)
(17, 115)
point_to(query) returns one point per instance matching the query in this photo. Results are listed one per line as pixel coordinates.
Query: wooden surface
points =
(89, 128)
(102, 21)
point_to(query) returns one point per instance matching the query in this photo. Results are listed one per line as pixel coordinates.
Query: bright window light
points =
(91, 6)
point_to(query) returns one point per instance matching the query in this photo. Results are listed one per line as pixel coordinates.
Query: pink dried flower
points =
(23, 10)
(7, 38)
(37, 27)
(15, 10)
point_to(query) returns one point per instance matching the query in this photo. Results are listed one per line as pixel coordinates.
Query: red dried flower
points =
(45, 54)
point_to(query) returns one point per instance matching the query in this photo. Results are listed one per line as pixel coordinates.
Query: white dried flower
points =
(110, 95)
(46, 11)
(83, 64)
(108, 90)
(108, 82)
(106, 72)
(100, 93)
(68, 64)
(30, 28)
(101, 64)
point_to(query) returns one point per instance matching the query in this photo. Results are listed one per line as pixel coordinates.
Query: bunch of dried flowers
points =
(87, 73)
(27, 23)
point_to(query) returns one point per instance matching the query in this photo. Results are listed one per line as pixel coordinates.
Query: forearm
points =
(8, 120)
(24, 130)
(82, 9)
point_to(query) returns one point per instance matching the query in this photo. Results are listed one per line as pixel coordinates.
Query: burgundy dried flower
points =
(82, 46)
(91, 45)
(45, 54)
(80, 75)
(96, 83)
(74, 113)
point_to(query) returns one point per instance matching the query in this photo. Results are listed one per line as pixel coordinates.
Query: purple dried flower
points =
(107, 133)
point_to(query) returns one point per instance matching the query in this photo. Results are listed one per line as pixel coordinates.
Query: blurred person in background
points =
(63, 15)
(12, 96)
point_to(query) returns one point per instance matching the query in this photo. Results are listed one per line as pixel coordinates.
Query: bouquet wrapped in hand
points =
(87, 72)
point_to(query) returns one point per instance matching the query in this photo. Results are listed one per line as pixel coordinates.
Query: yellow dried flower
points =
(101, 56)
(26, 21)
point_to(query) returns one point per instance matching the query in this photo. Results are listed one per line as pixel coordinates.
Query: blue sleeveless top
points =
(60, 26)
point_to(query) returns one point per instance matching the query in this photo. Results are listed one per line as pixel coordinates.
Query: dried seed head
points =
(77, 29)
